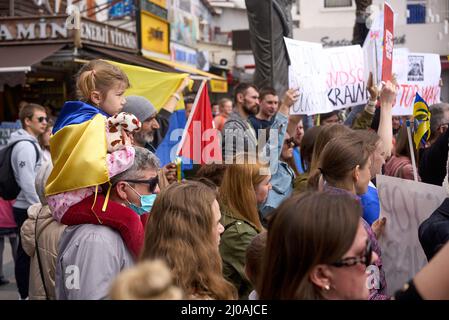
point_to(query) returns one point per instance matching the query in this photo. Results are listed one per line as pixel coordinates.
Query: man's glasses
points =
(41, 119)
(152, 183)
(351, 261)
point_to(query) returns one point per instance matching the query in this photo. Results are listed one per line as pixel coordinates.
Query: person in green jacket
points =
(244, 187)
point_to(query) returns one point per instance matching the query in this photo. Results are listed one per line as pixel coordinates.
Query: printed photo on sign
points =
(416, 72)
(415, 68)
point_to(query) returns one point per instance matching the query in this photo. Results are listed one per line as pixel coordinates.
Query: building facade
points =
(420, 26)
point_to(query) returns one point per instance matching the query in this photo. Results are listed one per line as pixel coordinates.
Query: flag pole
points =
(412, 151)
(195, 103)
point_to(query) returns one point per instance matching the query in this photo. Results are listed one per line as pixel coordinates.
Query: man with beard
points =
(147, 115)
(154, 127)
(154, 124)
(239, 134)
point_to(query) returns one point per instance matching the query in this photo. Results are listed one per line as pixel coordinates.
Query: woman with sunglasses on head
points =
(44, 141)
(282, 179)
(344, 167)
(317, 249)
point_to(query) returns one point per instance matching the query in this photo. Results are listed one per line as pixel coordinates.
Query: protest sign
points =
(345, 77)
(6, 128)
(405, 204)
(307, 72)
(387, 55)
(416, 72)
(372, 49)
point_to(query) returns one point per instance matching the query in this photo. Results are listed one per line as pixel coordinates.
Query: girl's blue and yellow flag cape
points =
(78, 149)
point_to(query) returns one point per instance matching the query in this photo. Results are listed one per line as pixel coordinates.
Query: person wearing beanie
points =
(154, 124)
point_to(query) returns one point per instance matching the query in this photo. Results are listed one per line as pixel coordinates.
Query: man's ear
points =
(95, 97)
(240, 97)
(120, 190)
(321, 277)
(28, 121)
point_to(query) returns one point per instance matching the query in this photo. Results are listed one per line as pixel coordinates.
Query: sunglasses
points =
(351, 261)
(290, 142)
(152, 183)
(41, 119)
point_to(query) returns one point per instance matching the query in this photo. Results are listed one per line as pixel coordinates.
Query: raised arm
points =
(385, 131)
(170, 106)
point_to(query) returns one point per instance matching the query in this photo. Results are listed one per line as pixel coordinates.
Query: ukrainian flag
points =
(421, 114)
(78, 149)
(154, 85)
(157, 87)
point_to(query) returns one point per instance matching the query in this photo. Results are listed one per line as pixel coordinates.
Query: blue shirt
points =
(281, 188)
(297, 158)
(371, 206)
(259, 124)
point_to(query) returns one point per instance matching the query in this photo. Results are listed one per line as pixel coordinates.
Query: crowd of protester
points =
(304, 225)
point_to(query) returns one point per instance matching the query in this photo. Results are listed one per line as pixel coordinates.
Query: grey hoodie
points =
(25, 166)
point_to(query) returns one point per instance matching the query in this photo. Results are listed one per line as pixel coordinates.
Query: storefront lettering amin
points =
(95, 32)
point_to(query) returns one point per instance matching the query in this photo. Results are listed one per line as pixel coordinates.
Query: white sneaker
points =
(20, 298)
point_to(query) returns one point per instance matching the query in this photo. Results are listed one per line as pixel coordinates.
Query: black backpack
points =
(9, 189)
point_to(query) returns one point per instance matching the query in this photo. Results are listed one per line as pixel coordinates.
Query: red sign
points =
(387, 56)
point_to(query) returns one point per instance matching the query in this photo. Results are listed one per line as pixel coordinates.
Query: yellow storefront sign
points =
(155, 33)
(160, 3)
(218, 86)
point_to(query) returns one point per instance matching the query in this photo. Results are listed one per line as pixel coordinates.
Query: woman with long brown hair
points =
(344, 167)
(316, 249)
(244, 187)
(184, 230)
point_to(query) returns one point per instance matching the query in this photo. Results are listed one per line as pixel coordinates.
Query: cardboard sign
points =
(345, 77)
(387, 56)
(307, 72)
(405, 204)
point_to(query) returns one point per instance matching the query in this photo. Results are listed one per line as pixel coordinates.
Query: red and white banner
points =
(201, 141)
(387, 56)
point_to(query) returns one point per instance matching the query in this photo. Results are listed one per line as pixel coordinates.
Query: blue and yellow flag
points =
(421, 114)
(78, 149)
(154, 85)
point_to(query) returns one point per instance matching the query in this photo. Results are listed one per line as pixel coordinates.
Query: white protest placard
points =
(405, 204)
(372, 48)
(307, 72)
(416, 72)
(345, 77)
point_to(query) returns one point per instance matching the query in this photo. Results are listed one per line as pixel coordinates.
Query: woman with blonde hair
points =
(244, 188)
(184, 230)
(149, 280)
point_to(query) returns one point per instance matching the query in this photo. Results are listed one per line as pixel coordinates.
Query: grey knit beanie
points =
(140, 107)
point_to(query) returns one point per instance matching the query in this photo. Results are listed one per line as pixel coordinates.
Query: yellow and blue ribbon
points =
(421, 115)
